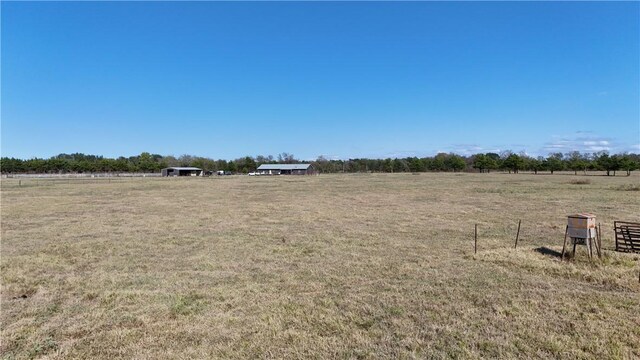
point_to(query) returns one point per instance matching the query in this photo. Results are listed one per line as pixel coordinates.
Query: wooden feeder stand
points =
(582, 229)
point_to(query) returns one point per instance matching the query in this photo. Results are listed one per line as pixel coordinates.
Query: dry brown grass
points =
(334, 266)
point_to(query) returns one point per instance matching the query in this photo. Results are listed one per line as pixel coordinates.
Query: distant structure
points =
(286, 169)
(182, 171)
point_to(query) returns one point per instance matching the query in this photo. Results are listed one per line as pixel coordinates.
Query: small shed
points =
(286, 169)
(182, 171)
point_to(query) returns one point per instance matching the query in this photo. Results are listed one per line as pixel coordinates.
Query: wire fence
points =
(30, 180)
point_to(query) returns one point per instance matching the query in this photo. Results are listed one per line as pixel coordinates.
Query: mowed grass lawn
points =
(329, 266)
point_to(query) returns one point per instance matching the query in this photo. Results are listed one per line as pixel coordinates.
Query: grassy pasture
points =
(330, 266)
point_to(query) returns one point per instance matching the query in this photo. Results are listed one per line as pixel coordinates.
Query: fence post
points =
(599, 241)
(517, 234)
(475, 239)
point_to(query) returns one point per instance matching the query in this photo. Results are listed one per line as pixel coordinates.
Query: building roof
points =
(187, 168)
(284, 166)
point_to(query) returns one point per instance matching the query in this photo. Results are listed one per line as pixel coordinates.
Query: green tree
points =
(145, 162)
(232, 167)
(439, 162)
(554, 162)
(455, 162)
(535, 164)
(606, 162)
(480, 162)
(388, 165)
(514, 163)
(628, 163)
(399, 165)
(576, 162)
(11, 165)
(416, 164)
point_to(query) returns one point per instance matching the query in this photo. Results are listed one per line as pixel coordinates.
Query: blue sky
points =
(358, 79)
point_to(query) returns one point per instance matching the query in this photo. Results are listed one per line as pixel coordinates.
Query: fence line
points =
(79, 176)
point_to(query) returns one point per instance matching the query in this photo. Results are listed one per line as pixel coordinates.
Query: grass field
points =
(330, 266)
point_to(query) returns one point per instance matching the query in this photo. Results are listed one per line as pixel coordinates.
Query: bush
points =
(629, 187)
(580, 182)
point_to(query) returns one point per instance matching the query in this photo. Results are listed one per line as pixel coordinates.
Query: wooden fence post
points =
(599, 241)
(475, 239)
(564, 245)
(517, 234)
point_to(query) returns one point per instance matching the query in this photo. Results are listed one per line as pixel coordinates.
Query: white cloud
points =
(583, 141)
(471, 149)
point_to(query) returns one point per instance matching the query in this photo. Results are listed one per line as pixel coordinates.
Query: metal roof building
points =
(286, 169)
(182, 171)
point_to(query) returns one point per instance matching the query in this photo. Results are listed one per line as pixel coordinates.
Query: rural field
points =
(332, 266)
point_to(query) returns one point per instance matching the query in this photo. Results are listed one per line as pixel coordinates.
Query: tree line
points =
(483, 162)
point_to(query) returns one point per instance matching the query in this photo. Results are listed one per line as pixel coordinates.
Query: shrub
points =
(580, 182)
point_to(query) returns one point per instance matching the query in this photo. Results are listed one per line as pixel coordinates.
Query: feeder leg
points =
(564, 244)
(574, 247)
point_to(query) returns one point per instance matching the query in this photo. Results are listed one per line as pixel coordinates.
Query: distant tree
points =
(416, 164)
(105, 165)
(455, 163)
(260, 159)
(186, 160)
(535, 164)
(232, 167)
(439, 162)
(576, 162)
(514, 163)
(11, 165)
(146, 163)
(221, 165)
(493, 161)
(170, 160)
(286, 158)
(504, 155)
(203, 163)
(480, 162)
(387, 165)
(323, 165)
(245, 164)
(615, 163)
(399, 165)
(606, 162)
(121, 164)
(486, 162)
(628, 163)
(554, 162)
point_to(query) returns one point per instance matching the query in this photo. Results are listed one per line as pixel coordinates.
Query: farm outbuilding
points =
(182, 171)
(286, 169)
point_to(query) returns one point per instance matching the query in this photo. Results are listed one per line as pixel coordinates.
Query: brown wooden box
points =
(582, 226)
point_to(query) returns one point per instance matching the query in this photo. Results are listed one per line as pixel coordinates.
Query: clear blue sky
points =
(359, 79)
